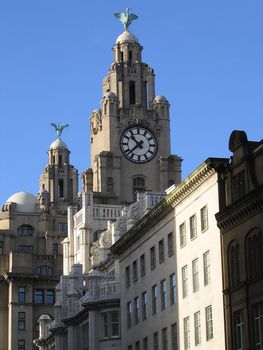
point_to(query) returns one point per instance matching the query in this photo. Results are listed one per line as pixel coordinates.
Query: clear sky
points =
(207, 56)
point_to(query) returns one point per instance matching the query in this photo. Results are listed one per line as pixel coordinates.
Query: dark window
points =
(173, 289)
(142, 264)
(132, 92)
(155, 341)
(25, 248)
(121, 56)
(136, 309)
(239, 330)
(164, 339)
(174, 337)
(62, 227)
(154, 299)
(163, 289)
(138, 186)
(25, 230)
(257, 310)
(55, 249)
(127, 276)
(21, 344)
(50, 297)
(233, 262)
(152, 257)
(130, 57)
(21, 321)
(134, 270)
(255, 253)
(1, 248)
(111, 325)
(144, 306)
(21, 295)
(129, 314)
(145, 343)
(60, 188)
(170, 244)
(45, 270)
(109, 184)
(39, 296)
(137, 345)
(239, 187)
(161, 251)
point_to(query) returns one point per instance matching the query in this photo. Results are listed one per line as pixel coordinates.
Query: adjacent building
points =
(31, 231)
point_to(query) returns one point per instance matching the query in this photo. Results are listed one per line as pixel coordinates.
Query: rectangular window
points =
(204, 218)
(127, 276)
(161, 251)
(134, 270)
(50, 297)
(239, 330)
(182, 233)
(129, 314)
(21, 344)
(195, 270)
(154, 299)
(145, 343)
(174, 337)
(197, 324)
(136, 310)
(105, 325)
(172, 289)
(130, 347)
(170, 244)
(1, 248)
(137, 345)
(257, 310)
(185, 280)
(55, 249)
(163, 294)
(155, 341)
(114, 324)
(144, 306)
(206, 262)
(21, 321)
(39, 296)
(209, 322)
(186, 333)
(193, 226)
(142, 264)
(21, 295)
(164, 339)
(62, 227)
(152, 257)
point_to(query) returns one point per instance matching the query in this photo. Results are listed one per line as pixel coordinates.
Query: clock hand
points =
(139, 143)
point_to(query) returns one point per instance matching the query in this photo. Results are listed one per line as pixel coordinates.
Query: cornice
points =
(184, 189)
(240, 211)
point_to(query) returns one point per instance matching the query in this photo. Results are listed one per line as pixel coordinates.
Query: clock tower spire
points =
(130, 133)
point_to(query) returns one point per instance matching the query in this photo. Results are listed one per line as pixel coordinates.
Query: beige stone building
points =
(170, 271)
(240, 219)
(31, 231)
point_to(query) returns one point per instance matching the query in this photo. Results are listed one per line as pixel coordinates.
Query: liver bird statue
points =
(59, 128)
(126, 18)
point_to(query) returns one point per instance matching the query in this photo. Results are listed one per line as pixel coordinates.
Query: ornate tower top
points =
(126, 18)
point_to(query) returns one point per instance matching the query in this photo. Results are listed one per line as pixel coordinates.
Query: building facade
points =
(31, 231)
(240, 219)
(170, 271)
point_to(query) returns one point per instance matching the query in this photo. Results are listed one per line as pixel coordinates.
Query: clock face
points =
(138, 144)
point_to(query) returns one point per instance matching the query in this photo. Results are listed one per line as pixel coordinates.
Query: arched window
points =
(138, 186)
(109, 184)
(254, 253)
(233, 264)
(25, 230)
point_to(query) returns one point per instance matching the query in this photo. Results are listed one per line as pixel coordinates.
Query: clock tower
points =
(130, 133)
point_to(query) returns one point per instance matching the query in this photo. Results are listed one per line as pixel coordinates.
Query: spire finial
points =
(126, 18)
(59, 128)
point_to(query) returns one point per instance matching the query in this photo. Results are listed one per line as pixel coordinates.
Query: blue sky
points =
(207, 56)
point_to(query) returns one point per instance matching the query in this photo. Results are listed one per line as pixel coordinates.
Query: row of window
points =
(28, 248)
(197, 327)
(254, 254)
(138, 309)
(195, 274)
(161, 255)
(45, 270)
(193, 226)
(27, 230)
(257, 326)
(156, 341)
(41, 296)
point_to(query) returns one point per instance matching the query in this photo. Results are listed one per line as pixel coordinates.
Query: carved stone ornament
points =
(94, 249)
(121, 225)
(105, 239)
(96, 121)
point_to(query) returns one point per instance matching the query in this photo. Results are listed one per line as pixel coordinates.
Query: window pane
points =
(195, 270)
(204, 218)
(186, 333)
(197, 325)
(193, 227)
(206, 261)
(185, 280)
(209, 323)
(170, 243)
(182, 232)
(173, 289)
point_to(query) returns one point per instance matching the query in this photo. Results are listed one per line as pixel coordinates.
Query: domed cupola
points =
(24, 202)
(161, 105)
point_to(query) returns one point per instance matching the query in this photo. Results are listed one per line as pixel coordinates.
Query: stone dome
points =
(25, 202)
(159, 99)
(127, 37)
(58, 144)
(110, 94)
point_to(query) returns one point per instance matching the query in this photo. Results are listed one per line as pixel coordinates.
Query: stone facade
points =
(31, 231)
(240, 219)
